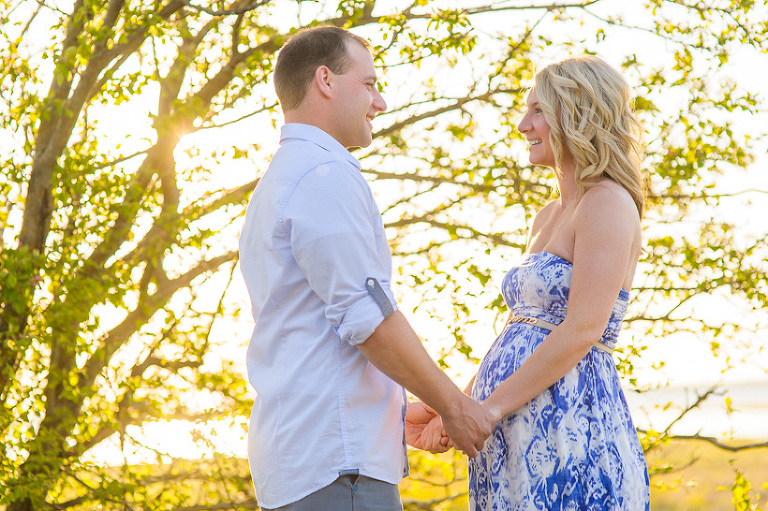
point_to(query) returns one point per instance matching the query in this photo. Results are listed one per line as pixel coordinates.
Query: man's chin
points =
(361, 143)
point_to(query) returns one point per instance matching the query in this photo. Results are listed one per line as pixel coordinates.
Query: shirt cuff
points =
(362, 318)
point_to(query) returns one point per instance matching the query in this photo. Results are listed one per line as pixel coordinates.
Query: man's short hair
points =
(304, 52)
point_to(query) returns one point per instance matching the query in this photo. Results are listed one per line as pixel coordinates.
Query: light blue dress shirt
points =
(313, 239)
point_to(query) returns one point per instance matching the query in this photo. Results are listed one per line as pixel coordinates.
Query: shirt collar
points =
(318, 137)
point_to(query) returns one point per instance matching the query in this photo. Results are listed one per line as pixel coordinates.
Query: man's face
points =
(357, 99)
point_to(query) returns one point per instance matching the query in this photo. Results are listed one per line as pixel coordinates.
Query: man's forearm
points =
(395, 349)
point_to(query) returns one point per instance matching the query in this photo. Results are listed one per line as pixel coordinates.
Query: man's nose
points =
(379, 103)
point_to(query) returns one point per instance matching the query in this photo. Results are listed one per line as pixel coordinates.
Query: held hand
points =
(497, 414)
(468, 424)
(424, 429)
(435, 438)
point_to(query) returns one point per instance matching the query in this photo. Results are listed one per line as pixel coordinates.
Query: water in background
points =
(747, 419)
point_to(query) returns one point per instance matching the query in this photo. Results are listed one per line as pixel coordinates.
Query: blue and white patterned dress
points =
(573, 447)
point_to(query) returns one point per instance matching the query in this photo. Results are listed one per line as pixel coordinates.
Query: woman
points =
(565, 439)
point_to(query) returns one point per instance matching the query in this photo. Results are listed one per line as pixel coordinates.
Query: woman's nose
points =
(524, 124)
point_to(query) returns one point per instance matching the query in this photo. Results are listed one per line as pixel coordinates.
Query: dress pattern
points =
(573, 447)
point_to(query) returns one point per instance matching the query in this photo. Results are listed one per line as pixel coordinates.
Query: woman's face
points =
(536, 130)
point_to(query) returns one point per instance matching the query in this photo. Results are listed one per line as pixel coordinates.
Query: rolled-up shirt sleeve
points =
(331, 217)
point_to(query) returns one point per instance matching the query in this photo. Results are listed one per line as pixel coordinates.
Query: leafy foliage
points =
(130, 132)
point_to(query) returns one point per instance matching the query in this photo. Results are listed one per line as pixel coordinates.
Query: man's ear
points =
(324, 78)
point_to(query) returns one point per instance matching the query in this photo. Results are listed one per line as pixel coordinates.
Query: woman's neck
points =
(566, 183)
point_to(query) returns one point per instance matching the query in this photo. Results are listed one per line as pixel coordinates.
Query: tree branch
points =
(145, 310)
(438, 180)
(243, 504)
(232, 196)
(717, 443)
(473, 233)
(227, 12)
(430, 505)
(457, 104)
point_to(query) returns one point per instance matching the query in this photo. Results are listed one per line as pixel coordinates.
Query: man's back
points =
(312, 238)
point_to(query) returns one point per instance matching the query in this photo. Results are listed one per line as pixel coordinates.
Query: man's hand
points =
(468, 424)
(395, 350)
(424, 429)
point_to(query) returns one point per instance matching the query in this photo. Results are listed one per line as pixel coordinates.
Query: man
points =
(329, 349)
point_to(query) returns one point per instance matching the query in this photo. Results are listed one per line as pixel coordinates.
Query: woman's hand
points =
(497, 414)
(424, 429)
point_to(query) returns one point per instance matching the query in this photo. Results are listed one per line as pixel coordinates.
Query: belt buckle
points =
(522, 319)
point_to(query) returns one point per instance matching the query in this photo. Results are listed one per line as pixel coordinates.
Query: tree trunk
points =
(24, 504)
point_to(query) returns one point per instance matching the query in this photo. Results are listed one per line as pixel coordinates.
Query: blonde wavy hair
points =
(587, 104)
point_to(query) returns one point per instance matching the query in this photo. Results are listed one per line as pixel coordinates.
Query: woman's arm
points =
(468, 388)
(606, 248)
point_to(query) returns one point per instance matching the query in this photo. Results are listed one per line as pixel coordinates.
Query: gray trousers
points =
(350, 492)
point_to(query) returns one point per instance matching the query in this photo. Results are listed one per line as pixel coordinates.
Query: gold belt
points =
(551, 326)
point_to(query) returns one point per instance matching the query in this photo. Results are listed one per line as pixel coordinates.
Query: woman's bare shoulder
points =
(609, 196)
